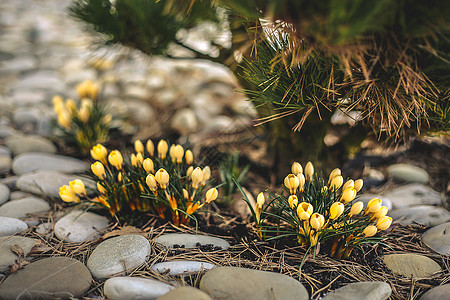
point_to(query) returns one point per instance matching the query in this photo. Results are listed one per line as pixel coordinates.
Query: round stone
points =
(371, 290)
(135, 288)
(10, 226)
(79, 226)
(422, 214)
(180, 267)
(173, 240)
(413, 194)
(29, 162)
(141, 111)
(185, 121)
(408, 265)
(21, 208)
(5, 164)
(441, 292)
(118, 255)
(238, 283)
(4, 193)
(7, 256)
(54, 277)
(408, 173)
(47, 182)
(19, 144)
(438, 238)
(185, 293)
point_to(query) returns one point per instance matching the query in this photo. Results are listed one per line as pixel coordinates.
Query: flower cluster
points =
(320, 211)
(166, 184)
(86, 124)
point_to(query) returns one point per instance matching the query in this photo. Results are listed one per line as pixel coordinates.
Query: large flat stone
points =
(4, 193)
(408, 265)
(21, 208)
(131, 288)
(422, 214)
(29, 162)
(10, 226)
(438, 238)
(172, 240)
(19, 144)
(79, 226)
(408, 173)
(179, 267)
(233, 283)
(47, 182)
(185, 293)
(118, 255)
(370, 290)
(413, 194)
(7, 256)
(441, 292)
(54, 277)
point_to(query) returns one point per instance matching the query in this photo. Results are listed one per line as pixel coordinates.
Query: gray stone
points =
(422, 214)
(233, 283)
(29, 143)
(4, 151)
(44, 228)
(413, 194)
(365, 198)
(18, 195)
(4, 193)
(185, 121)
(7, 256)
(10, 226)
(17, 65)
(180, 267)
(54, 277)
(408, 265)
(438, 238)
(5, 164)
(47, 183)
(79, 226)
(10, 181)
(118, 255)
(172, 240)
(25, 118)
(41, 80)
(408, 173)
(185, 293)
(441, 292)
(370, 290)
(25, 98)
(21, 208)
(141, 111)
(29, 162)
(135, 288)
(6, 131)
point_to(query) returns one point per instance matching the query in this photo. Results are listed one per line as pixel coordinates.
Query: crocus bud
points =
(151, 182)
(78, 187)
(336, 210)
(347, 184)
(134, 160)
(358, 184)
(260, 200)
(71, 106)
(185, 194)
(370, 231)
(334, 173)
(211, 195)
(293, 201)
(189, 157)
(88, 89)
(163, 147)
(58, 103)
(189, 171)
(197, 177)
(99, 152)
(304, 207)
(140, 158)
(84, 113)
(148, 165)
(291, 182)
(356, 208)
(150, 147)
(162, 178)
(138, 146)
(303, 215)
(317, 221)
(178, 153)
(101, 188)
(98, 169)
(64, 119)
(301, 182)
(309, 171)
(67, 194)
(348, 195)
(336, 183)
(381, 212)
(115, 159)
(119, 177)
(384, 223)
(373, 205)
(171, 154)
(206, 174)
(296, 168)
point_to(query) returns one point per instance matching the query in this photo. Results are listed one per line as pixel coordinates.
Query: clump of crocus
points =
(164, 183)
(85, 124)
(317, 211)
